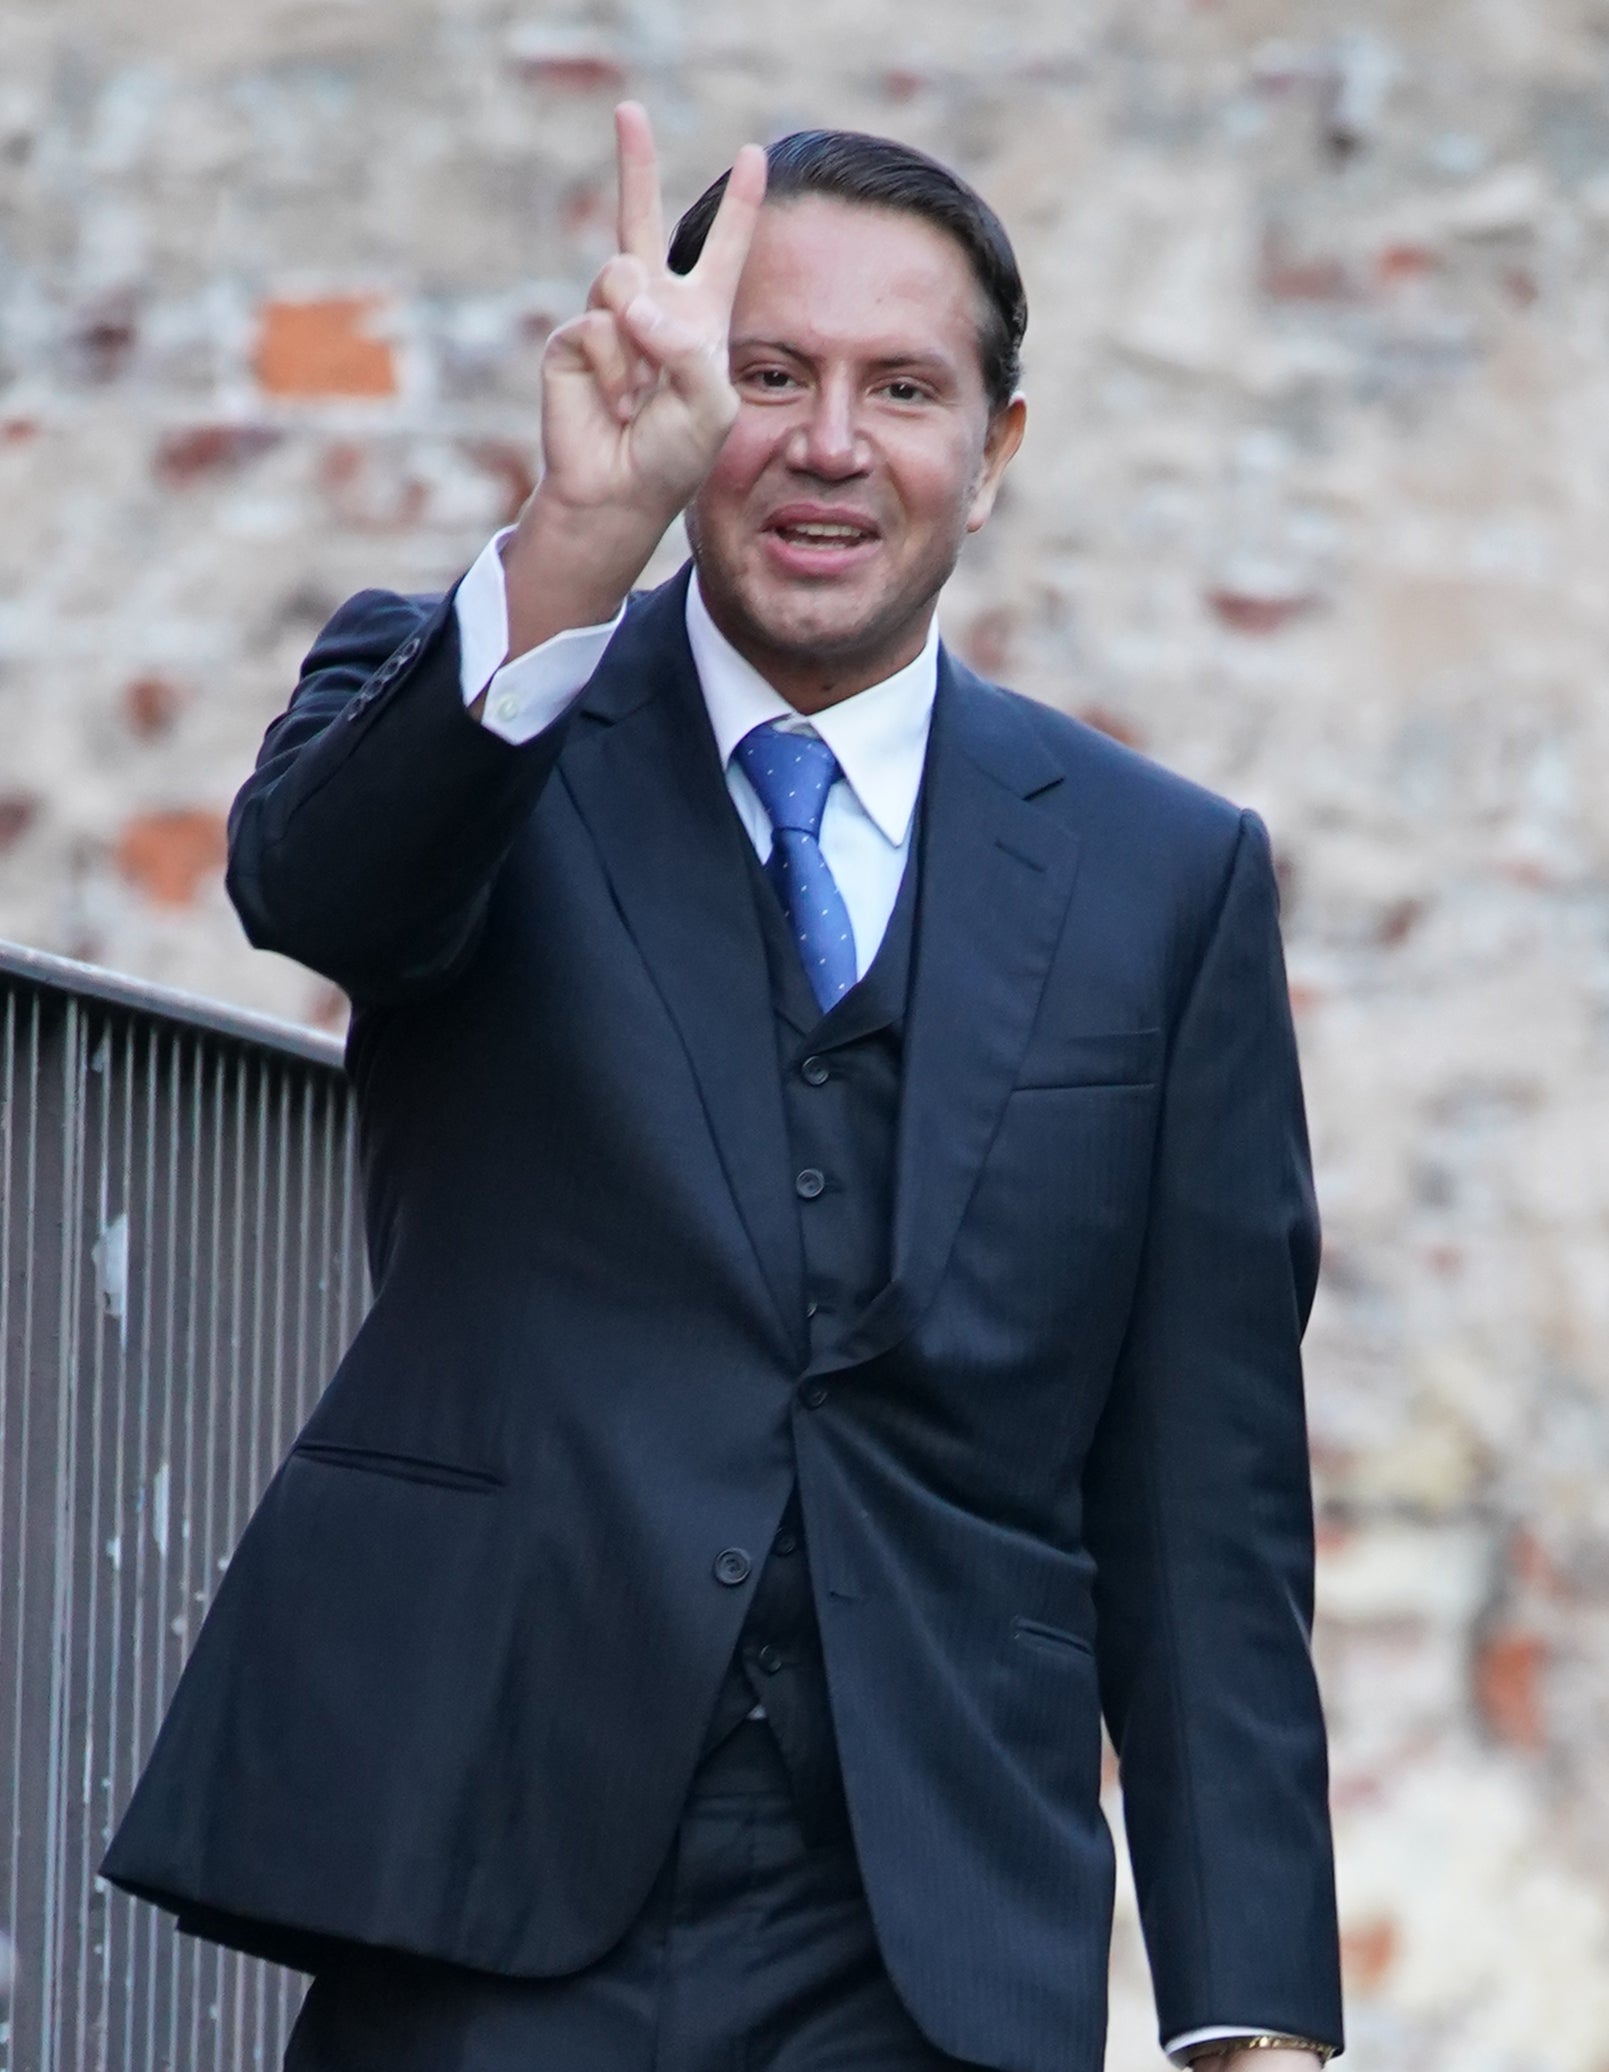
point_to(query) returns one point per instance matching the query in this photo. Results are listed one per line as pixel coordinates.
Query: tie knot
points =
(791, 774)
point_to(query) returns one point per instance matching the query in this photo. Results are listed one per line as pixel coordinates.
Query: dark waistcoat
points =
(841, 1075)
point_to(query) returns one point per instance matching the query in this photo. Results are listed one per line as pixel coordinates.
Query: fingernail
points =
(642, 311)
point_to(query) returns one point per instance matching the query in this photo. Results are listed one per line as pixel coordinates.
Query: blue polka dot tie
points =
(792, 775)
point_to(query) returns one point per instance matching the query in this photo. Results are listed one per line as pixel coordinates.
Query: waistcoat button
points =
(769, 1660)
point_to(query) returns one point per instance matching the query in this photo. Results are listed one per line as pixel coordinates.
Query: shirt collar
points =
(879, 735)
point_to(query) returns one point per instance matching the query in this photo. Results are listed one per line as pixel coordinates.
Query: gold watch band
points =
(1226, 2046)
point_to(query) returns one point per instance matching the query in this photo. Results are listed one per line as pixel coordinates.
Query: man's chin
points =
(823, 623)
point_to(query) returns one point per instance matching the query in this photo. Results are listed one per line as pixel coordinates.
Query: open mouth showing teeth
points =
(818, 534)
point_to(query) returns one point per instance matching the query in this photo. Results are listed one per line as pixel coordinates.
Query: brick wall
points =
(1313, 507)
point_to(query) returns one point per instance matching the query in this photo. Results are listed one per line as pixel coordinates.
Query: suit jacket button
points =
(815, 1071)
(809, 1183)
(732, 1567)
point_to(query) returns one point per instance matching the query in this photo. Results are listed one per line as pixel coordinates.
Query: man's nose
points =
(829, 441)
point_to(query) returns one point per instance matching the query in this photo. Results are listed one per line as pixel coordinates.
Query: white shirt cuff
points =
(1192, 2039)
(528, 694)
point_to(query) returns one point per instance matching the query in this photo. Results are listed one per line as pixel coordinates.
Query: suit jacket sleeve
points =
(1199, 1513)
(365, 842)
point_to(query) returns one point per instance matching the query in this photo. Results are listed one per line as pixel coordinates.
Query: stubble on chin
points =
(831, 634)
(800, 628)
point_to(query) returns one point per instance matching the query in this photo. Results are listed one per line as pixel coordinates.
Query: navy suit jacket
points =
(452, 1689)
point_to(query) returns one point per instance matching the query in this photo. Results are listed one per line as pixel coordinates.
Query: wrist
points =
(568, 565)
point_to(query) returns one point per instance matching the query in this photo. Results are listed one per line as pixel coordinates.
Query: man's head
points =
(875, 342)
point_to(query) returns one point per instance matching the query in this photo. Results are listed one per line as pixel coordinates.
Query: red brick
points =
(186, 456)
(508, 464)
(1368, 1952)
(323, 348)
(151, 704)
(578, 71)
(1534, 1565)
(370, 490)
(987, 641)
(1509, 1667)
(170, 854)
(1288, 276)
(340, 464)
(1405, 263)
(1115, 724)
(1248, 613)
(18, 812)
(1399, 921)
(586, 207)
(105, 337)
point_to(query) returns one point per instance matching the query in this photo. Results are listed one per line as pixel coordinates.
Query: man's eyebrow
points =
(914, 356)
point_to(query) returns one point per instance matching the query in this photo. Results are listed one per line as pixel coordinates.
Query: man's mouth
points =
(810, 535)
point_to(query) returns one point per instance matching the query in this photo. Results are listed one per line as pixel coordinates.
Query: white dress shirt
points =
(879, 737)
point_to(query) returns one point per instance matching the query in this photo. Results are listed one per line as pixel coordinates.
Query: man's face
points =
(864, 449)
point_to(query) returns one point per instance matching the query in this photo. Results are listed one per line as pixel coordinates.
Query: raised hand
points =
(636, 398)
(636, 402)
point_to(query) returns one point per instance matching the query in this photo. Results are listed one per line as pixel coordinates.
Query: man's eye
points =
(904, 391)
(774, 378)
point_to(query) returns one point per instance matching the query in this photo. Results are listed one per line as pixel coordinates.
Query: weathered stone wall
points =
(1313, 507)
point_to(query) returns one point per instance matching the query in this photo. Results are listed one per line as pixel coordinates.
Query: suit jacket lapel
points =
(643, 769)
(997, 865)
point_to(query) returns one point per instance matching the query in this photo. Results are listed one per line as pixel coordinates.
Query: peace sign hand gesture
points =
(636, 398)
(636, 402)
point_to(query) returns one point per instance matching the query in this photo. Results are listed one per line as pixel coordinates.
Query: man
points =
(841, 1230)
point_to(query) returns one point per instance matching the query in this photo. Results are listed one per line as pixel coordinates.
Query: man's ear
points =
(1004, 436)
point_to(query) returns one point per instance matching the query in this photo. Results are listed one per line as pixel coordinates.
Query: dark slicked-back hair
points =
(877, 173)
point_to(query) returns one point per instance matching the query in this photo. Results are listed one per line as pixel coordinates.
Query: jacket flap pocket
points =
(1035, 1633)
(1123, 1057)
(402, 1467)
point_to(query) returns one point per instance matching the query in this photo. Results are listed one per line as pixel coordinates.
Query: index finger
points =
(640, 224)
(730, 235)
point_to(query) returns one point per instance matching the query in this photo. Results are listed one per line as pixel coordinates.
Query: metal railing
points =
(180, 1268)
